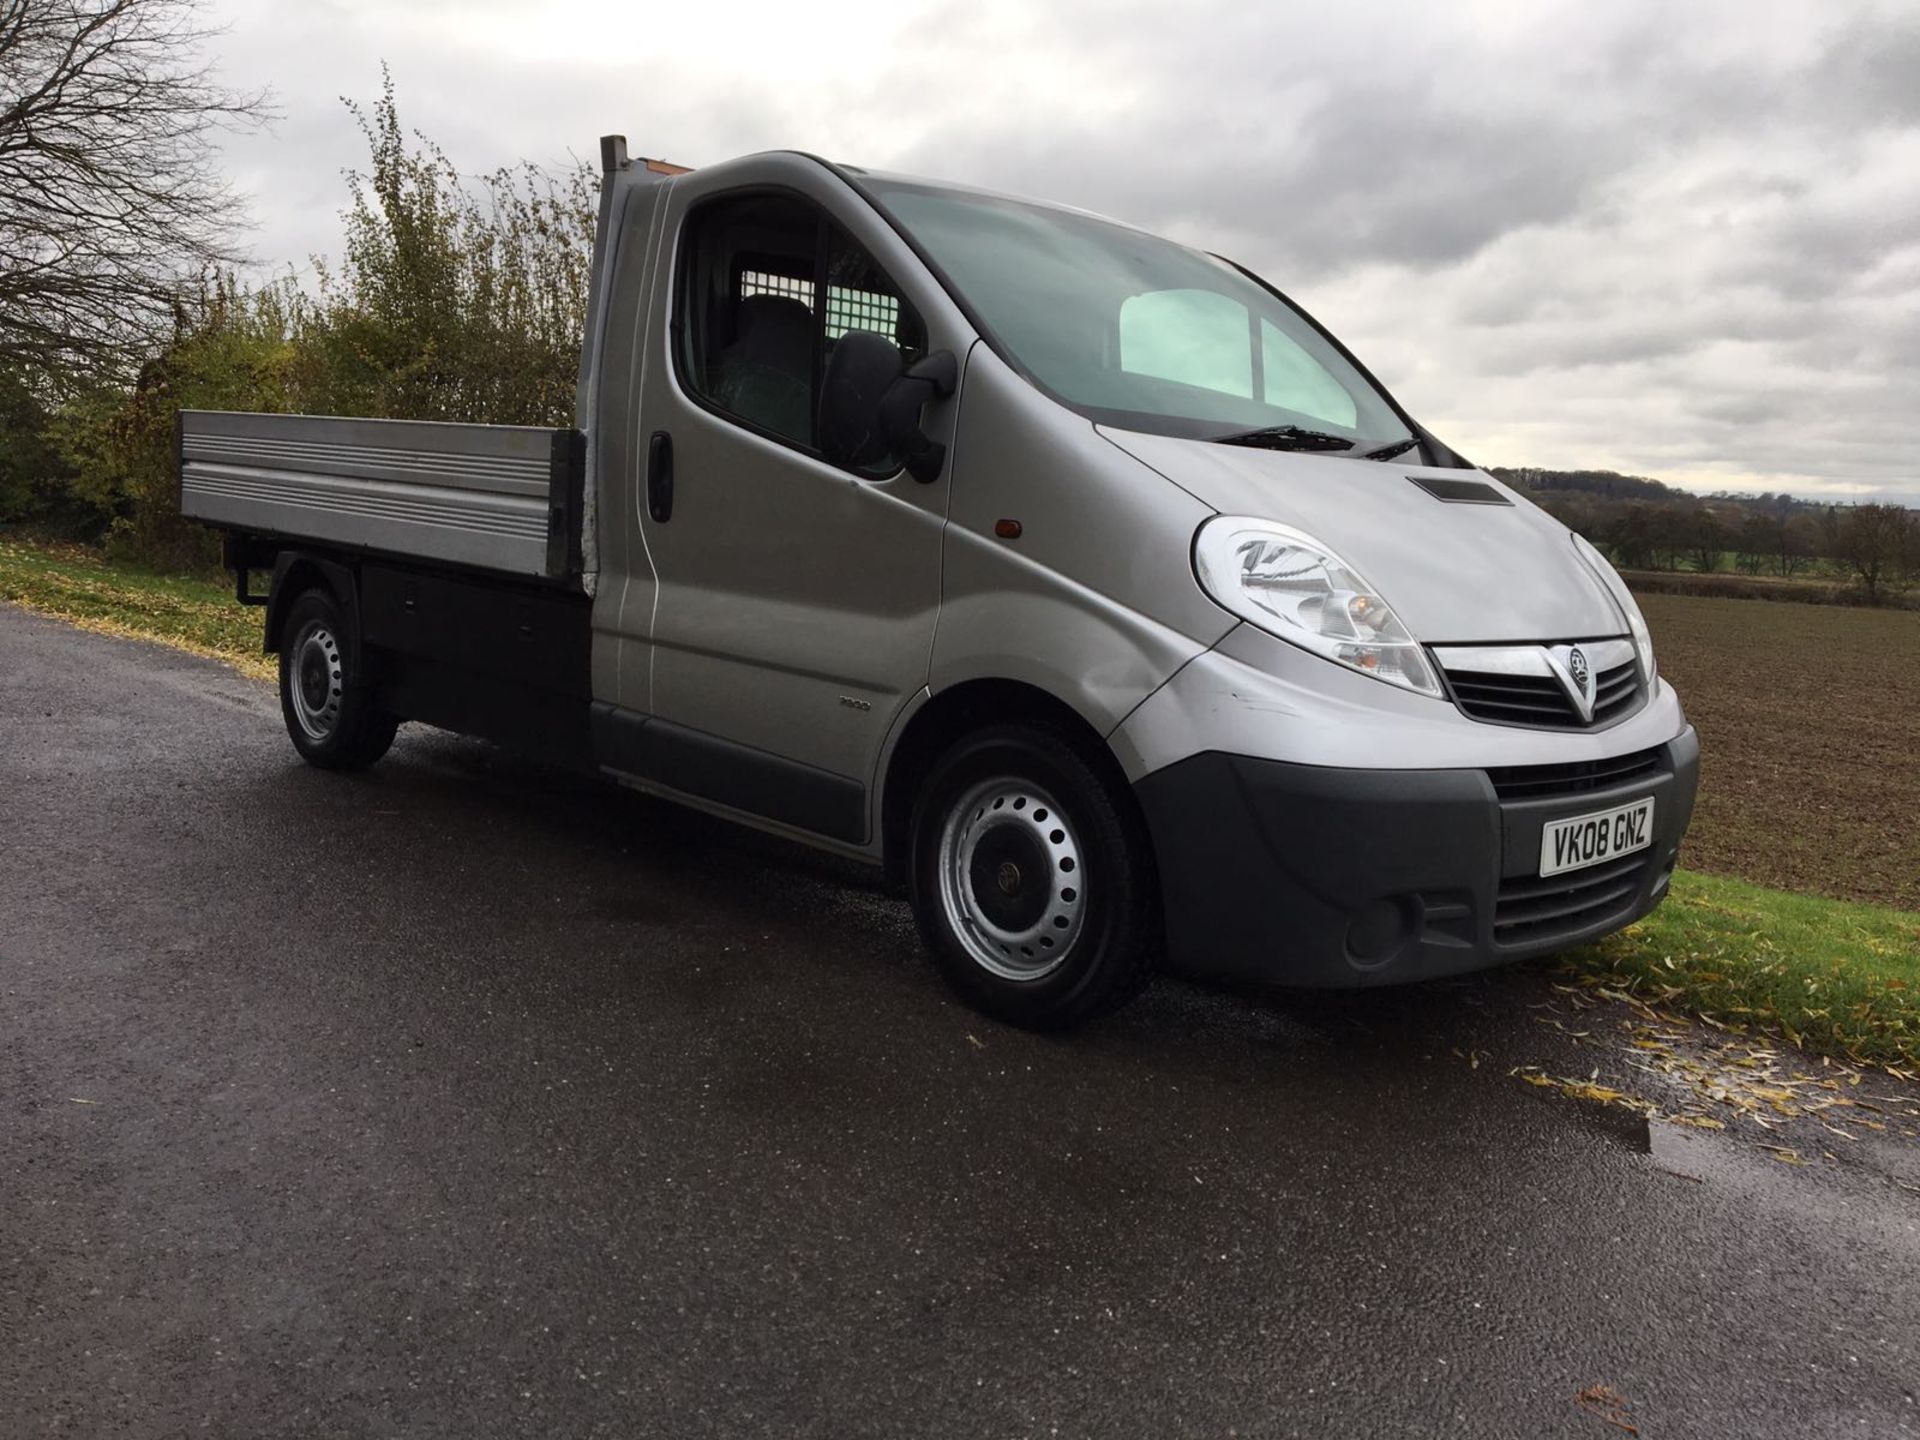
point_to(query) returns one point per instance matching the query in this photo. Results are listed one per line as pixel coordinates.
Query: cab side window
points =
(768, 286)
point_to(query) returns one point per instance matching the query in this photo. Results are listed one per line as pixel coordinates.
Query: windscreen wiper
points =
(1391, 450)
(1285, 437)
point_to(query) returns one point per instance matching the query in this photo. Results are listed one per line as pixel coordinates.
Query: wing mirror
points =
(870, 405)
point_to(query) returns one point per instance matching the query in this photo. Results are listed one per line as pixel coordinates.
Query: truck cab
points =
(1075, 576)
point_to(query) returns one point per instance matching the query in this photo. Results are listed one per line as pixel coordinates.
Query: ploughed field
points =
(1809, 720)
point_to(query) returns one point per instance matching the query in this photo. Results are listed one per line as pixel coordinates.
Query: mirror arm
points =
(933, 378)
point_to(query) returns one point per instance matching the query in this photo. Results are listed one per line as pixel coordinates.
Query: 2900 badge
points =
(1590, 839)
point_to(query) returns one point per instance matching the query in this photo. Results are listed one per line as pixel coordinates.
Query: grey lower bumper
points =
(1307, 875)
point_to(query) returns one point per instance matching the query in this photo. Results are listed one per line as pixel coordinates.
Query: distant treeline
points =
(1646, 524)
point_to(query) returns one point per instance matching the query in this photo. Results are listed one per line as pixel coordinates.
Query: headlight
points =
(1292, 586)
(1622, 597)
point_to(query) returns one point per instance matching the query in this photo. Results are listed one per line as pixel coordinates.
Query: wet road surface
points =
(463, 1099)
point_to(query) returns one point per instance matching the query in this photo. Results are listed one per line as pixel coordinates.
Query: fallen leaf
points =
(1607, 1405)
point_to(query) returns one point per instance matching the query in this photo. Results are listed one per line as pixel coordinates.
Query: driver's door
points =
(796, 601)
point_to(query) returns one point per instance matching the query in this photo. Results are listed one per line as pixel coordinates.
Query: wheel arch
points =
(294, 573)
(951, 714)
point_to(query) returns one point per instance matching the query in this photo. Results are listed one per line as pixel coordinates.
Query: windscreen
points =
(1135, 331)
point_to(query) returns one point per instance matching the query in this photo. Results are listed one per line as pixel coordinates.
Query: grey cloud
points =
(1748, 409)
(1425, 164)
(1876, 69)
(1428, 185)
(1420, 171)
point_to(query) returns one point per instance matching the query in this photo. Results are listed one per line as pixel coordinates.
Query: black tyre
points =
(327, 705)
(1033, 880)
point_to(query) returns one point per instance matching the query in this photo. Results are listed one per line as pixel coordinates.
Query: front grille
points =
(1576, 777)
(1615, 691)
(1512, 699)
(1504, 699)
(1536, 910)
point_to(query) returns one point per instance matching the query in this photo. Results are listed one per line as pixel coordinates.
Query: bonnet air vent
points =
(1460, 492)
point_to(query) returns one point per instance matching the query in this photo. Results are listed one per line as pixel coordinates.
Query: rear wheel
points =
(325, 700)
(1032, 880)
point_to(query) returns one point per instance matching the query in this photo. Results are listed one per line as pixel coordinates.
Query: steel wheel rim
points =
(1011, 878)
(315, 681)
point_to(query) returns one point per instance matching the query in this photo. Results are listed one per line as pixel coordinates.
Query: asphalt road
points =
(463, 1099)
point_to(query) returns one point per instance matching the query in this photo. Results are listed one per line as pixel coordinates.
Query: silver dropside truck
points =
(1077, 577)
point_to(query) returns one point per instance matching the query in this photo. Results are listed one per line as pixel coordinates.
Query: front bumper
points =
(1322, 876)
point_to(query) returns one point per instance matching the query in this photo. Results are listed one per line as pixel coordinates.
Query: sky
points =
(1671, 239)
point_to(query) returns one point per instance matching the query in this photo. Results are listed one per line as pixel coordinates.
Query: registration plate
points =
(1596, 838)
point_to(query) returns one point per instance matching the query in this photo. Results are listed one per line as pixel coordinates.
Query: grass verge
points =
(72, 583)
(1828, 975)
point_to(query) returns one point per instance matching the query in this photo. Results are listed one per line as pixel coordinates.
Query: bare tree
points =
(109, 190)
(1707, 534)
(1675, 524)
(1871, 541)
(1796, 545)
(1633, 530)
(1755, 542)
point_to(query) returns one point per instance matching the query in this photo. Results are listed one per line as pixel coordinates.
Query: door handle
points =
(660, 477)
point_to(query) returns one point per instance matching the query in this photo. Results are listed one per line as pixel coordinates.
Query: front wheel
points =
(327, 706)
(1033, 881)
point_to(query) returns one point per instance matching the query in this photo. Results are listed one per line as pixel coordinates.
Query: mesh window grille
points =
(765, 282)
(847, 309)
(861, 310)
